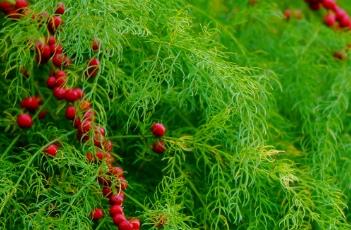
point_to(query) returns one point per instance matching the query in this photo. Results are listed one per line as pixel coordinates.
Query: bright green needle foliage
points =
(256, 110)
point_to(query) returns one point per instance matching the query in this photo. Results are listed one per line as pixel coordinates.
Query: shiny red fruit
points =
(330, 19)
(100, 155)
(70, 112)
(60, 73)
(117, 171)
(60, 8)
(329, 4)
(55, 23)
(21, 4)
(31, 103)
(77, 123)
(106, 191)
(118, 218)
(345, 22)
(24, 120)
(59, 93)
(51, 40)
(72, 95)
(159, 147)
(93, 67)
(125, 225)
(51, 150)
(116, 199)
(340, 13)
(56, 49)
(58, 59)
(158, 129)
(135, 223)
(95, 46)
(51, 82)
(6, 7)
(60, 81)
(108, 146)
(116, 209)
(97, 214)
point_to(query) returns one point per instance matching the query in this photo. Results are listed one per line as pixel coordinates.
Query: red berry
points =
(89, 115)
(24, 120)
(135, 223)
(59, 93)
(100, 155)
(6, 7)
(330, 19)
(104, 181)
(72, 95)
(45, 52)
(51, 150)
(85, 126)
(70, 112)
(56, 49)
(339, 13)
(93, 67)
(60, 8)
(51, 82)
(97, 214)
(158, 129)
(124, 183)
(116, 209)
(58, 59)
(60, 73)
(125, 225)
(95, 45)
(106, 191)
(51, 40)
(116, 199)
(345, 22)
(108, 146)
(99, 135)
(60, 81)
(21, 4)
(42, 115)
(329, 4)
(118, 218)
(77, 123)
(159, 147)
(287, 14)
(31, 103)
(109, 159)
(54, 23)
(90, 157)
(117, 171)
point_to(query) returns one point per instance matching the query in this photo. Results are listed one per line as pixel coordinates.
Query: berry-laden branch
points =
(50, 53)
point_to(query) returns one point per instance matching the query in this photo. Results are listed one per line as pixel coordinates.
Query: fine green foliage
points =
(256, 110)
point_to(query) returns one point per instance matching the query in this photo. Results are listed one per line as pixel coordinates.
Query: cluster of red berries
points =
(32, 103)
(335, 16)
(14, 10)
(82, 114)
(158, 130)
(116, 199)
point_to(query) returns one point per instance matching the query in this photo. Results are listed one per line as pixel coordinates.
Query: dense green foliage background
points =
(257, 111)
